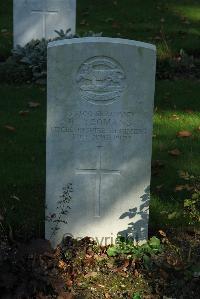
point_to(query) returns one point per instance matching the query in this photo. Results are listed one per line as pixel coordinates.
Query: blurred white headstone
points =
(35, 19)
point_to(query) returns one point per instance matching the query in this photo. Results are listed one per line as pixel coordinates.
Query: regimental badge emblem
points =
(101, 80)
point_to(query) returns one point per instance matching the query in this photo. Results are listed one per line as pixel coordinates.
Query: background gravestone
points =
(35, 19)
(99, 136)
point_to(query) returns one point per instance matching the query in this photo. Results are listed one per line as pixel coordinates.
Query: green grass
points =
(171, 25)
(23, 157)
(23, 152)
(177, 109)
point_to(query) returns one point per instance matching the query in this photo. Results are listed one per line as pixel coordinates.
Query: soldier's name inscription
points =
(99, 125)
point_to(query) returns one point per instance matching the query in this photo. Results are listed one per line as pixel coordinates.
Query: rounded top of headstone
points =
(102, 40)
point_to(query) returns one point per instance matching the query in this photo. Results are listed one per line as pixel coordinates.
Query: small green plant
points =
(192, 204)
(192, 209)
(64, 34)
(143, 252)
(63, 207)
(136, 296)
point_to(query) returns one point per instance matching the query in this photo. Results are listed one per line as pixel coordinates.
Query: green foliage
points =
(34, 54)
(136, 296)
(13, 72)
(143, 252)
(64, 34)
(192, 204)
(192, 209)
(112, 251)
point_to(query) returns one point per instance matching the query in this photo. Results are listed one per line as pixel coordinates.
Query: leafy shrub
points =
(34, 54)
(13, 72)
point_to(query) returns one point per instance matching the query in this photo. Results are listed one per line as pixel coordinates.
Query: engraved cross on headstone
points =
(98, 172)
(44, 12)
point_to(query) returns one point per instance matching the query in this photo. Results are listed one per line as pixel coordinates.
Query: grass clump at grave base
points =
(22, 176)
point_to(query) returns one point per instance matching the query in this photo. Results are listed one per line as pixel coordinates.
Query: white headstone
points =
(35, 19)
(99, 137)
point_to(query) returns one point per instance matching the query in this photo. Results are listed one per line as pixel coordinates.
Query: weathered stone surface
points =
(99, 136)
(35, 19)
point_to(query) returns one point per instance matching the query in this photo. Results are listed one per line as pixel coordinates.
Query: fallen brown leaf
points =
(157, 37)
(61, 265)
(174, 152)
(65, 295)
(69, 283)
(136, 273)
(183, 187)
(115, 25)
(190, 111)
(15, 197)
(101, 286)
(184, 134)
(33, 104)
(162, 233)
(184, 174)
(10, 128)
(23, 112)
(179, 188)
(123, 267)
(110, 265)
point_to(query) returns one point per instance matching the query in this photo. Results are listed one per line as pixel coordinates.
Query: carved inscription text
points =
(99, 126)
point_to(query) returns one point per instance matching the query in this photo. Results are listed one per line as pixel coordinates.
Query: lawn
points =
(171, 25)
(22, 173)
